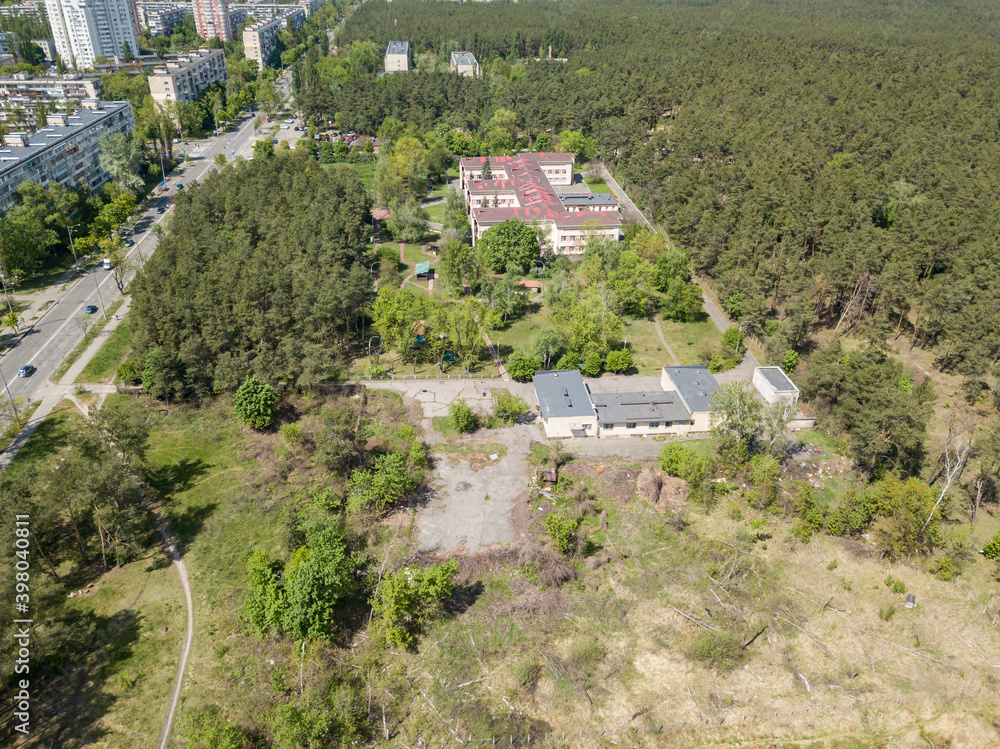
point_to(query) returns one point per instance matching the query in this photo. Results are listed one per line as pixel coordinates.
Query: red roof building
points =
(539, 189)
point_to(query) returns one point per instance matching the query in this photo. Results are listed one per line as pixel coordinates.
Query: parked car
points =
(160, 209)
(180, 186)
(26, 371)
(274, 141)
(129, 243)
(107, 264)
(282, 127)
(90, 309)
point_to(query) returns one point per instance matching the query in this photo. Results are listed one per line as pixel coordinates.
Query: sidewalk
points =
(55, 392)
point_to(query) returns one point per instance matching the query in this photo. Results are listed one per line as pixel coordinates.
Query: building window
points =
(630, 425)
(609, 426)
(654, 425)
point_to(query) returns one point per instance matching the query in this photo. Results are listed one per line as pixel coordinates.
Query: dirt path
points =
(188, 634)
(663, 340)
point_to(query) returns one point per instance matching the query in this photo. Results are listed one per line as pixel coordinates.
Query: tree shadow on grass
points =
(52, 434)
(177, 477)
(84, 653)
(185, 526)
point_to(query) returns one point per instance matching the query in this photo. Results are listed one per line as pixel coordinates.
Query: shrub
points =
(522, 366)
(292, 434)
(719, 649)
(790, 361)
(569, 360)
(463, 418)
(887, 614)
(896, 586)
(508, 407)
(683, 462)
(560, 528)
(619, 361)
(526, 675)
(733, 337)
(254, 403)
(592, 365)
(128, 373)
(992, 549)
(408, 597)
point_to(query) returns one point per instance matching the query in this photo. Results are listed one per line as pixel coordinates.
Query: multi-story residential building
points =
(162, 18)
(84, 30)
(8, 43)
(21, 94)
(6, 60)
(66, 150)
(212, 19)
(397, 57)
(260, 40)
(184, 78)
(538, 189)
(48, 47)
(21, 9)
(464, 63)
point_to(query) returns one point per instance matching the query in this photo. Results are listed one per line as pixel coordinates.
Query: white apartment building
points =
(397, 57)
(48, 47)
(21, 9)
(464, 63)
(185, 77)
(162, 18)
(87, 29)
(67, 150)
(25, 92)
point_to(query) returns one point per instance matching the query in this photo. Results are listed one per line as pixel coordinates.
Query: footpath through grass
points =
(88, 338)
(102, 367)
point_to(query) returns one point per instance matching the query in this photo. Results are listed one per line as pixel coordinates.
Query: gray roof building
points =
(694, 384)
(562, 393)
(614, 408)
(67, 150)
(398, 48)
(778, 380)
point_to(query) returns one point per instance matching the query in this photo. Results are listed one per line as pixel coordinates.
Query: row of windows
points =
(634, 425)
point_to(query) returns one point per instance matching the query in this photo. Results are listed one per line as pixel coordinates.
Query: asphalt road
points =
(61, 327)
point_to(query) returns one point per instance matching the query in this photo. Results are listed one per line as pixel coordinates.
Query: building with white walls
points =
(84, 30)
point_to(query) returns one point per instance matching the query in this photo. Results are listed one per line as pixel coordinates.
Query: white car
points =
(282, 127)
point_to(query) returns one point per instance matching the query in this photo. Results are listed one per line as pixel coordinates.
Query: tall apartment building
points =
(186, 77)
(66, 151)
(21, 94)
(397, 57)
(260, 40)
(87, 29)
(212, 19)
(21, 9)
(48, 47)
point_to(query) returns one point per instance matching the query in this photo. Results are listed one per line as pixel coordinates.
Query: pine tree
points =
(487, 170)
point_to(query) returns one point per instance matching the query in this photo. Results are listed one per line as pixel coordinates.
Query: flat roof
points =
(562, 393)
(658, 405)
(597, 198)
(398, 48)
(51, 135)
(695, 385)
(778, 380)
(463, 58)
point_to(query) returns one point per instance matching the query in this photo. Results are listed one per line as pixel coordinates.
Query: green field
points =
(688, 339)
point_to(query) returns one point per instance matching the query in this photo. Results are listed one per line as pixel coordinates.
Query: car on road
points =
(107, 263)
(275, 141)
(283, 127)
(26, 371)
(180, 185)
(129, 243)
(160, 209)
(90, 309)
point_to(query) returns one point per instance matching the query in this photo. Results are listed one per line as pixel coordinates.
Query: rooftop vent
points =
(16, 139)
(569, 403)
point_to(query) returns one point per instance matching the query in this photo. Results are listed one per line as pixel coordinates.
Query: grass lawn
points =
(48, 439)
(521, 332)
(104, 364)
(596, 184)
(91, 334)
(52, 267)
(438, 190)
(366, 173)
(436, 212)
(686, 339)
(647, 350)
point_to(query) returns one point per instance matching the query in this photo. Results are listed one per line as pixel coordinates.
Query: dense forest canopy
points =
(825, 162)
(259, 273)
